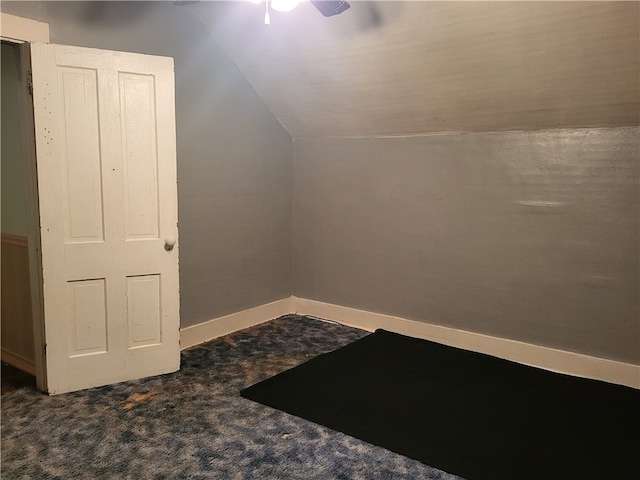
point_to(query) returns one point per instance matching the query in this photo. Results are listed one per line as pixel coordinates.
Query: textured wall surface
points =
(234, 157)
(531, 236)
(403, 67)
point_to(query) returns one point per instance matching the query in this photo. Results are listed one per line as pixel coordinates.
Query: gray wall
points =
(531, 236)
(14, 217)
(234, 157)
(525, 235)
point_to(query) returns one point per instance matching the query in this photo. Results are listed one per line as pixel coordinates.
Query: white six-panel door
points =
(106, 161)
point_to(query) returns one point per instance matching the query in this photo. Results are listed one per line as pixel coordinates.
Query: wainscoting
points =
(17, 326)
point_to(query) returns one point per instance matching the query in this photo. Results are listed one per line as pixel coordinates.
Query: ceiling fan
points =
(328, 8)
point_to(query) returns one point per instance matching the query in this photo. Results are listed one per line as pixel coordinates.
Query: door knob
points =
(169, 242)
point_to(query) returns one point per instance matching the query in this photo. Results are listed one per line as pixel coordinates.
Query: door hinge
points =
(30, 83)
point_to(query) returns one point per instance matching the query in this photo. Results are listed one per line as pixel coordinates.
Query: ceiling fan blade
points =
(330, 8)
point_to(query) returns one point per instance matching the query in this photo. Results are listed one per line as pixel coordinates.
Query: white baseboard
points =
(18, 361)
(203, 332)
(535, 355)
(552, 359)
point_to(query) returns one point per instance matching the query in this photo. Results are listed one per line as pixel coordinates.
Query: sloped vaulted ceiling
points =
(394, 68)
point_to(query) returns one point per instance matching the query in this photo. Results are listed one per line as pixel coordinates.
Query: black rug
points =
(466, 413)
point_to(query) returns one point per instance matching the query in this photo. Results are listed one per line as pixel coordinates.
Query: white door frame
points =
(21, 31)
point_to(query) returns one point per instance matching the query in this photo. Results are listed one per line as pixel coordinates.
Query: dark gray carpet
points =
(193, 424)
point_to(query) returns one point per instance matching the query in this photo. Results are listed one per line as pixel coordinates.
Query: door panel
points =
(105, 148)
(137, 104)
(80, 145)
(144, 307)
(86, 303)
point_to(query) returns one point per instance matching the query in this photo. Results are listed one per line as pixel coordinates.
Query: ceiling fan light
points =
(283, 5)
